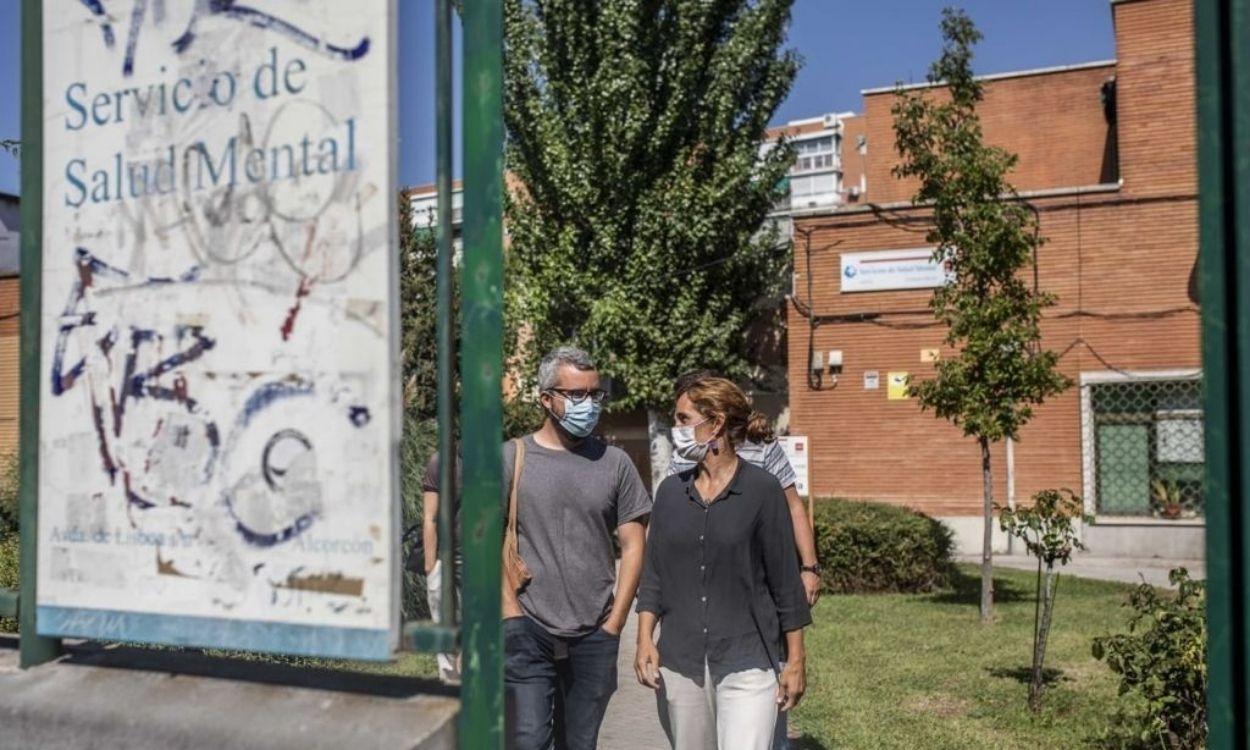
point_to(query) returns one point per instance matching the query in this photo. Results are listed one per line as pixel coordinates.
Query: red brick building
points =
(10, 322)
(1107, 159)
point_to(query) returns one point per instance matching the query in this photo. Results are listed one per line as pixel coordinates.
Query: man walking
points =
(562, 629)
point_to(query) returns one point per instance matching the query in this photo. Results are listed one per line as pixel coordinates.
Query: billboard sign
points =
(218, 406)
(883, 270)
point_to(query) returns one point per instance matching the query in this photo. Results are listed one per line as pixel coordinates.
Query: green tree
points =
(1049, 529)
(986, 237)
(418, 306)
(634, 128)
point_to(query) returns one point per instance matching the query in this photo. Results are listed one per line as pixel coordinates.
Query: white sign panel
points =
(881, 270)
(795, 447)
(218, 415)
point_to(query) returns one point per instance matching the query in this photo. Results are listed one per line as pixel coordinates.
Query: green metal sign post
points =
(481, 372)
(1223, 68)
(34, 649)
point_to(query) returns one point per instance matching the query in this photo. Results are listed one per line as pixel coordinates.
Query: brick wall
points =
(1053, 121)
(9, 355)
(1155, 96)
(1120, 260)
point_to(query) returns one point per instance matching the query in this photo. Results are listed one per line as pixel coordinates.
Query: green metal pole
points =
(1222, 30)
(446, 430)
(34, 649)
(481, 371)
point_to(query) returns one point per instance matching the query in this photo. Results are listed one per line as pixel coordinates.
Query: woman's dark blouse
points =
(722, 577)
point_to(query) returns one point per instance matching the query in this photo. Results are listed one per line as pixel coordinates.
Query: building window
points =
(817, 184)
(1143, 446)
(813, 155)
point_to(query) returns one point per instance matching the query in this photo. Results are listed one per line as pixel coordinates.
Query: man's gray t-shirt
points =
(570, 503)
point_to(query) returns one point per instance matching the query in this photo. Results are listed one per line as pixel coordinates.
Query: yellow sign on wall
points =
(897, 386)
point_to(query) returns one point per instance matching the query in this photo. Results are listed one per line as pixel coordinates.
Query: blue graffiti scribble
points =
(262, 20)
(192, 344)
(264, 397)
(269, 539)
(74, 315)
(97, 10)
(132, 36)
(268, 393)
(227, 9)
(136, 386)
(359, 415)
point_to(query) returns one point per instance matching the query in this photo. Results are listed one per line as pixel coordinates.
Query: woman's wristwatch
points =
(814, 568)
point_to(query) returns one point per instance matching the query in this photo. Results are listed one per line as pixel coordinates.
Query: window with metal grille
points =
(1144, 447)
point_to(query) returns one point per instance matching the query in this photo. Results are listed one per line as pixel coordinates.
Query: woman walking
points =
(722, 580)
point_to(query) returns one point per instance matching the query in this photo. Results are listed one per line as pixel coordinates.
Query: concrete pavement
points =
(1124, 569)
(632, 721)
(102, 697)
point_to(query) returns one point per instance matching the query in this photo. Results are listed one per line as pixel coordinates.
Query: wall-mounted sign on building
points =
(218, 415)
(896, 386)
(882, 270)
(796, 450)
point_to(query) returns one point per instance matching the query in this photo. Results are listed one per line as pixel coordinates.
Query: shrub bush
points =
(1162, 663)
(8, 494)
(9, 549)
(9, 578)
(874, 547)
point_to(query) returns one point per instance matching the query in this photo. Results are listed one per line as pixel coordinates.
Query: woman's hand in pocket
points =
(791, 684)
(647, 664)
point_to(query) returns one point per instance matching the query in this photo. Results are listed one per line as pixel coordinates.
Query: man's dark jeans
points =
(557, 702)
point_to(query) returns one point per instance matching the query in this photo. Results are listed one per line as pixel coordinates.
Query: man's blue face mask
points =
(580, 417)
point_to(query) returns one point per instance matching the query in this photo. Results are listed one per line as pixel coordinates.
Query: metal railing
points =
(1143, 445)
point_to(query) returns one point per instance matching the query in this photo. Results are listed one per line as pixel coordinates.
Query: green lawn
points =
(920, 671)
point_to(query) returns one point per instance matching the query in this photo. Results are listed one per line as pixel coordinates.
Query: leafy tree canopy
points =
(987, 237)
(634, 128)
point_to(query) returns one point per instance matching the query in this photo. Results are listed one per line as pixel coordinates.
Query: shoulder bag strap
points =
(518, 461)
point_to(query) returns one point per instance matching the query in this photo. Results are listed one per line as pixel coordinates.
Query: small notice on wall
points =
(897, 386)
(795, 447)
(872, 380)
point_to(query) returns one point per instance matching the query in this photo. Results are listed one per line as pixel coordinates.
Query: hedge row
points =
(872, 547)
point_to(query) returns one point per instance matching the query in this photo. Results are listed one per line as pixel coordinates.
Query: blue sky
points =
(847, 45)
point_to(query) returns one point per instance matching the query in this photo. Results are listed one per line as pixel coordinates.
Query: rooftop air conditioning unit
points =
(830, 120)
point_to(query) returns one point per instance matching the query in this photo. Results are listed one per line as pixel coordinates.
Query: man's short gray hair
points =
(549, 370)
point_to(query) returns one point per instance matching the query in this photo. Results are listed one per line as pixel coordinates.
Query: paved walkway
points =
(1126, 569)
(632, 722)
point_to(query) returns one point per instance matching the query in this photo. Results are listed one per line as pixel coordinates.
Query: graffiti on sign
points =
(218, 420)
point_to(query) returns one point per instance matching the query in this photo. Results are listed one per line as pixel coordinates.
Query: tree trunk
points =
(1038, 683)
(987, 542)
(661, 447)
